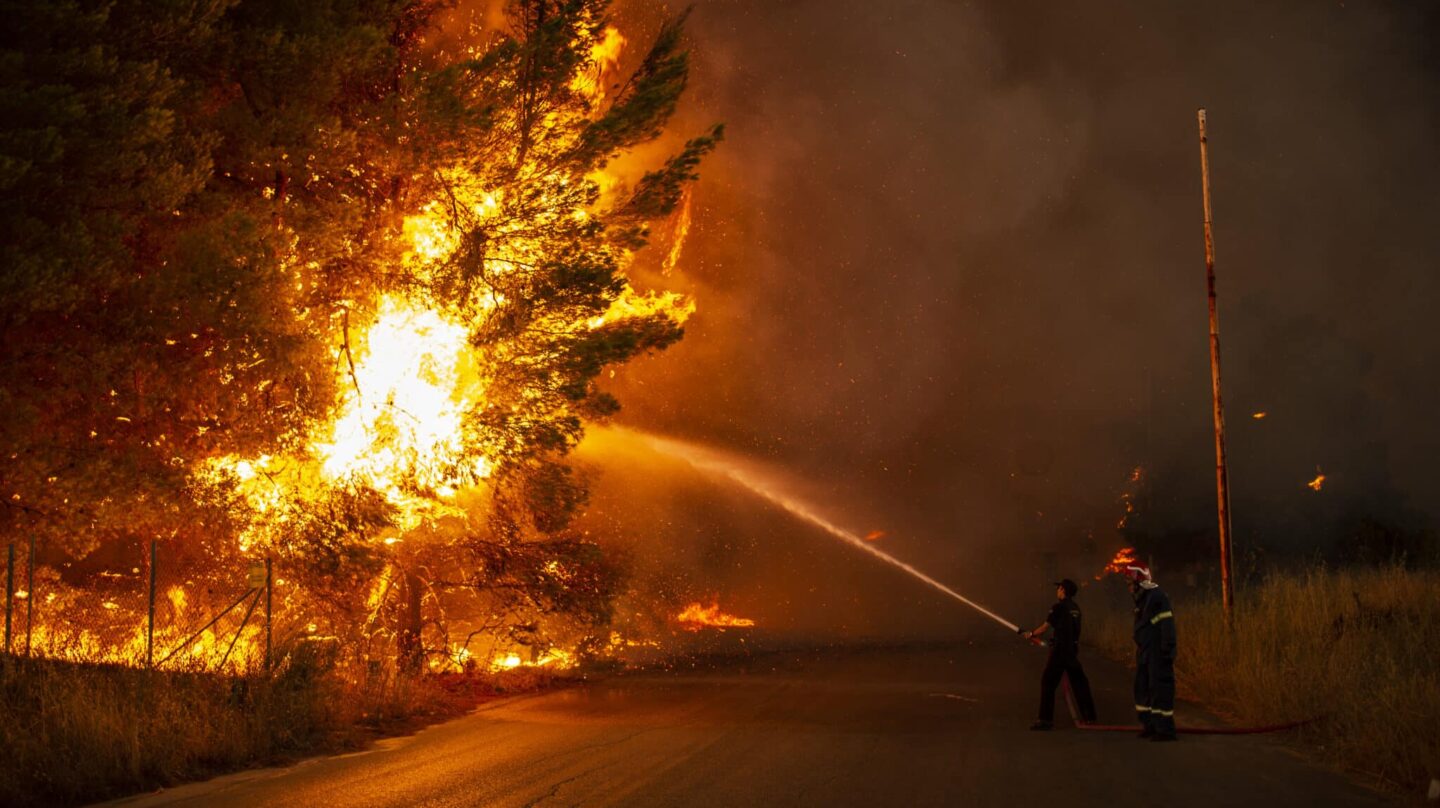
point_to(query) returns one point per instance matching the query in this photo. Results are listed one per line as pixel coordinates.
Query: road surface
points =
(942, 726)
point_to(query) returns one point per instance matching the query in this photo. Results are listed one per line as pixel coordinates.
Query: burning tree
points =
(343, 297)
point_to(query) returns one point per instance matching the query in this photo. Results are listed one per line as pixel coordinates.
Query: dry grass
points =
(75, 733)
(1360, 647)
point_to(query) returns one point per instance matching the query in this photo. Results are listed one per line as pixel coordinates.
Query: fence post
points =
(150, 623)
(9, 594)
(30, 596)
(269, 581)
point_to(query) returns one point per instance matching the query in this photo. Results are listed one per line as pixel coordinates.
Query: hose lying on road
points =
(1204, 730)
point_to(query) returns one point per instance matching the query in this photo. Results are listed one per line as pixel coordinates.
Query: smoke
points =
(948, 264)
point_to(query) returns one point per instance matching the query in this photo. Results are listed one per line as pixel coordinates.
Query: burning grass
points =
(1357, 646)
(75, 733)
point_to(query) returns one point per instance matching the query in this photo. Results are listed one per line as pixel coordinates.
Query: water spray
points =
(712, 463)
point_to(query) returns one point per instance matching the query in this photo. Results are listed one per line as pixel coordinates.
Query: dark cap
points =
(1069, 587)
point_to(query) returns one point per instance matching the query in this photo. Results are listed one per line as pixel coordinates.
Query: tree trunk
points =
(410, 652)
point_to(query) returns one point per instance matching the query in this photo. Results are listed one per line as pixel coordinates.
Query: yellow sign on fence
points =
(255, 575)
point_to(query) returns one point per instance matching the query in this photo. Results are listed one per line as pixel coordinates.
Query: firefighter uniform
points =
(1155, 662)
(1064, 661)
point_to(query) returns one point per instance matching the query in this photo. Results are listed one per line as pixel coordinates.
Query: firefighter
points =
(1064, 660)
(1154, 656)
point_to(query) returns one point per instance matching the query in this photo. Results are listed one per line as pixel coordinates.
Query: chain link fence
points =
(139, 604)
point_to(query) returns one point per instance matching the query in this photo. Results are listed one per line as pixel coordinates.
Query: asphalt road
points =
(863, 727)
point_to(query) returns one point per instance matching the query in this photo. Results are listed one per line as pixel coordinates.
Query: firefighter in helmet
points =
(1154, 656)
(1064, 660)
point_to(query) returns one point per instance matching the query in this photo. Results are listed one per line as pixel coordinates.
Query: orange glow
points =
(1259, 415)
(696, 616)
(1315, 484)
(875, 535)
(1124, 557)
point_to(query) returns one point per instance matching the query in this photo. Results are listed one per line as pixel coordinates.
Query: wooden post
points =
(9, 593)
(30, 595)
(1222, 482)
(269, 583)
(150, 623)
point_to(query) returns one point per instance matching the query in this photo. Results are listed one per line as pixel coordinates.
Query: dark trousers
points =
(1069, 667)
(1155, 693)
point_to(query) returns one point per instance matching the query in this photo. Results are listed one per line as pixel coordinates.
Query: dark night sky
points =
(949, 262)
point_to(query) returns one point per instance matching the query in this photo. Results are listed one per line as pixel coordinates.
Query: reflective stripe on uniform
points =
(1161, 616)
(1166, 713)
(1140, 708)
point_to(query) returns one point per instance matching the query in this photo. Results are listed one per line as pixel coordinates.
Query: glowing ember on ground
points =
(696, 616)
(1124, 557)
(1259, 415)
(553, 658)
(1316, 483)
(875, 535)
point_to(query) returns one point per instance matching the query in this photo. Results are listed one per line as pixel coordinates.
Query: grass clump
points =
(74, 733)
(1360, 647)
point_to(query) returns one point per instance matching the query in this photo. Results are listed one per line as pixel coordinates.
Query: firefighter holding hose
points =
(1155, 649)
(1064, 659)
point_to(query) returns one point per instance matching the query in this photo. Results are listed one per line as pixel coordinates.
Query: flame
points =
(400, 421)
(1259, 416)
(1124, 557)
(875, 535)
(682, 231)
(1127, 498)
(431, 236)
(635, 304)
(604, 60)
(1317, 483)
(696, 616)
(551, 658)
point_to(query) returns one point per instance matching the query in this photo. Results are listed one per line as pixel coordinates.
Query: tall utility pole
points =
(1222, 480)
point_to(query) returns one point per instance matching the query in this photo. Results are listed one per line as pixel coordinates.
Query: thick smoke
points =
(949, 263)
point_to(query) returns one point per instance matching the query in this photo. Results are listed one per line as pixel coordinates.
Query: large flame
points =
(604, 61)
(697, 616)
(414, 376)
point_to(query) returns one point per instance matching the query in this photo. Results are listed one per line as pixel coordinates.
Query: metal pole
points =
(1222, 482)
(269, 583)
(244, 621)
(30, 596)
(9, 593)
(150, 622)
